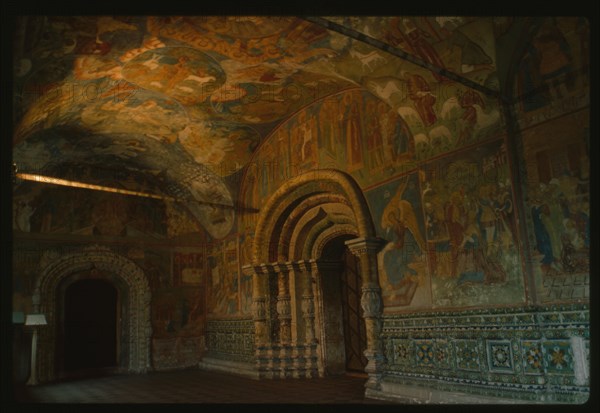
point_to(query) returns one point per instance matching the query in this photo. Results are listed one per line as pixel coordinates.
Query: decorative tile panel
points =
(230, 339)
(442, 354)
(520, 353)
(558, 356)
(500, 357)
(402, 352)
(425, 354)
(467, 355)
(533, 359)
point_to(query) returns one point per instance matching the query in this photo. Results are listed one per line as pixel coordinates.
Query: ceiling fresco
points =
(186, 101)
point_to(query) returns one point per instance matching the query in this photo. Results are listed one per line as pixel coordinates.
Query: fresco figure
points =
(542, 237)
(329, 118)
(175, 73)
(403, 262)
(306, 129)
(504, 211)
(399, 216)
(546, 71)
(434, 223)
(554, 60)
(487, 217)
(374, 138)
(401, 140)
(197, 310)
(353, 134)
(567, 255)
(419, 42)
(472, 56)
(420, 93)
(455, 217)
(24, 213)
(467, 102)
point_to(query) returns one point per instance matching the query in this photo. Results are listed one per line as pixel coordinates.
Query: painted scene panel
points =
(558, 206)
(398, 218)
(471, 234)
(224, 277)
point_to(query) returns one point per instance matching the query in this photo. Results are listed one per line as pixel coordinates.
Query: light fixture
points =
(34, 320)
(76, 184)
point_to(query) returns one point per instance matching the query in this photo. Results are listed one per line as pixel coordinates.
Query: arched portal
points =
(293, 281)
(100, 263)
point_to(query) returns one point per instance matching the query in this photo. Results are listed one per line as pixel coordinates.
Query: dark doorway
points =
(344, 331)
(90, 326)
(355, 334)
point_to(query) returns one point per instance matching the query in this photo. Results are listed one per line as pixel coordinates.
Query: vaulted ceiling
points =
(177, 106)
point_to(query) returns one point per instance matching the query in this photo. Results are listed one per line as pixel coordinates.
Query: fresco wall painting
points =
(246, 243)
(224, 275)
(398, 216)
(179, 312)
(557, 159)
(553, 76)
(452, 233)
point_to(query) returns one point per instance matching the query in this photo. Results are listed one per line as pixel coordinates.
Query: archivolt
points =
(290, 195)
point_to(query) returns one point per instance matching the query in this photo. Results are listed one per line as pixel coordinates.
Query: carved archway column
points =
(366, 250)
(308, 285)
(260, 312)
(284, 311)
(284, 315)
(296, 274)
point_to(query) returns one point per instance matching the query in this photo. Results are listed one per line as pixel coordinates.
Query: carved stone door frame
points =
(56, 267)
(288, 240)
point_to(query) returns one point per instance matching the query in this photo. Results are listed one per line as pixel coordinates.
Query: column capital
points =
(264, 268)
(360, 246)
(371, 301)
(259, 309)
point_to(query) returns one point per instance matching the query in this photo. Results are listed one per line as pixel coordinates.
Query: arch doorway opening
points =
(90, 327)
(343, 326)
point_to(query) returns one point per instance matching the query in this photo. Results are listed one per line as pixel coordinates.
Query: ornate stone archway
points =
(293, 226)
(57, 267)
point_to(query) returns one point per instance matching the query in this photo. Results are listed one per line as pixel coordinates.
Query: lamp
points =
(34, 320)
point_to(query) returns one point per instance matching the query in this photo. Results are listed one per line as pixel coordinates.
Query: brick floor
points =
(197, 386)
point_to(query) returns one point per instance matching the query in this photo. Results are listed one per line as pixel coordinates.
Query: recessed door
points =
(90, 329)
(355, 337)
